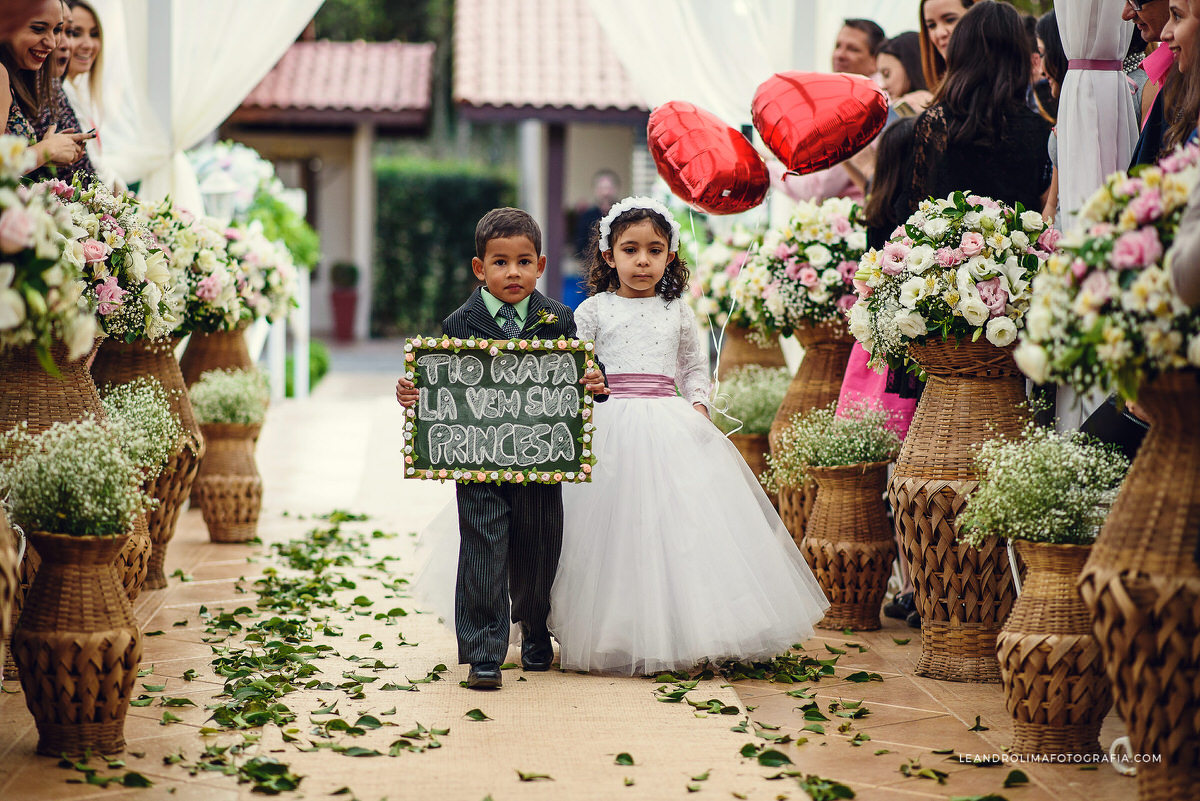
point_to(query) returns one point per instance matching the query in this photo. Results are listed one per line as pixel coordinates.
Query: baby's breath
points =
(752, 395)
(73, 478)
(139, 414)
(824, 438)
(230, 396)
(1046, 487)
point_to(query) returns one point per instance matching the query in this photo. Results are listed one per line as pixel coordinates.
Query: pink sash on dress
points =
(640, 385)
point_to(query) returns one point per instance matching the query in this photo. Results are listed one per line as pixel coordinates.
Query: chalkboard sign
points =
(499, 410)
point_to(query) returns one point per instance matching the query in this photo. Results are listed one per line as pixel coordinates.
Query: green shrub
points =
(752, 394)
(280, 222)
(425, 239)
(318, 366)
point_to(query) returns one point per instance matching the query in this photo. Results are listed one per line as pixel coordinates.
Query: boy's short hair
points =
(504, 223)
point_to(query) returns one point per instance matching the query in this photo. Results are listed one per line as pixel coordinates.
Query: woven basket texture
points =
(1055, 686)
(29, 394)
(795, 504)
(78, 646)
(963, 594)
(120, 362)
(819, 378)
(738, 351)
(848, 543)
(229, 484)
(8, 583)
(133, 563)
(221, 350)
(1142, 585)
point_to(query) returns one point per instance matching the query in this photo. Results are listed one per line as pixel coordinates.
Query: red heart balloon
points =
(814, 120)
(705, 162)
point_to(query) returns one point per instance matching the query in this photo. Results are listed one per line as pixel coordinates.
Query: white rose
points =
(912, 292)
(1001, 331)
(81, 336)
(1193, 351)
(12, 307)
(1033, 361)
(207, 261)
(1020, 239)
(152, 295)
(1032, 221)
(920, 258)
(775, 305)
(972, 219)
(859, 320)
(831, 277)
(817, 255)
(856, 240)
(974, 311)
(1038, 321)
(935, 227)
(911, 324)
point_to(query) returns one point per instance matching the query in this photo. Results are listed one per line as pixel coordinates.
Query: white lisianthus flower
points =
(910, 323)
(818, 255)
(856, 240)
(207, 261)
(1033, 361)
(1038, 322)
(1001, 331)
(972, 219)
(137, 266)
(12, 305)
(1032, 221)
(158, 270)
(973, 310)
(54, 276)
(920, 258)
(859, 321)
(935, 227)
(1193, 351)
(81, 336)
(830, 277)
(912, 292)
(152, 295)
(775, 305)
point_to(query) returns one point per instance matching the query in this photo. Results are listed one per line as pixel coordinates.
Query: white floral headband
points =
(629, 204)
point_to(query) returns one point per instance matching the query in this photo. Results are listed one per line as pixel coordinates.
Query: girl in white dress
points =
(672, 554)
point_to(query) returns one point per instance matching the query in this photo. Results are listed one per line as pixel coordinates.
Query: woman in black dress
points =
(980, 136)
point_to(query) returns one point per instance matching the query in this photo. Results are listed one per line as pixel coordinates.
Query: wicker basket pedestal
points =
(220, 350)
(1142, 585)
(133, 563)
(848, 543)
(738, 351)
(120, 362)
(229, 486)
(78, 646)
(1054, 682)
(8, 583)
(963, 594)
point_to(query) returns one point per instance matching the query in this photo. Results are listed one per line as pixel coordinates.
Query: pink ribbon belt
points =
(640, 385)
(1101, 64)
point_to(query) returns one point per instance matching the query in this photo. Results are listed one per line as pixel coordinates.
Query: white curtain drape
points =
(213, 54)
(1097, 118)
(715, 53)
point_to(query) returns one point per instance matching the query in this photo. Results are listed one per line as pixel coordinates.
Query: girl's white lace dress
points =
(673, 553)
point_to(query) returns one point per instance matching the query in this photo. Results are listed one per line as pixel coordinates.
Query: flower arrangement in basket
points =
(958, 268)
(1104, 315)
(804, 272)
(40, 270)
(748, 398)
(230, 397)
(200, 257)
(129, 280)
(823, 438)
(139, 414)
(714, 275)
(266, 275)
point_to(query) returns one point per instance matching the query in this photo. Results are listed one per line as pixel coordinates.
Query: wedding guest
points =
(59, 113)
(979, 136)
(84, 85)
(856, 46)
(25, 85)
(938, 18)
(1181, 35)
(1149, 16)
(1054, 63)
(899, 63)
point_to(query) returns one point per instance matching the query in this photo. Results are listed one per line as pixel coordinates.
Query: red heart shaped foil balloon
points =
(705, 162)
(814, 120)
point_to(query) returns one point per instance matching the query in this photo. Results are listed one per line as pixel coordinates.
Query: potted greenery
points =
(76, 494)
(343, 276)
(1049, 494)
(847, 538)
(746, 403)
(230, 406)
(139, 414)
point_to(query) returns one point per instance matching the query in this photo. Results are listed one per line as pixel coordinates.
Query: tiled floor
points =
(341, 449)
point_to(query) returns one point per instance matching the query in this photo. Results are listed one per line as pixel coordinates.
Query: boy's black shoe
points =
(900, 606)
(913, 619)
(484, 676)
(536, 651)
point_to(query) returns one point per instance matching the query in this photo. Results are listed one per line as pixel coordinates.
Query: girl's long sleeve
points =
(691, 371)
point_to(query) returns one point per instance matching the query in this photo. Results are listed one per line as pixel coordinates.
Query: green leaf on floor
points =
(179, 574)
(326, 710)
(190, 674)
(978, 726)
(742, 796)
(913, 768)
(522, 678)
(812, 712)
(146, 671)
(902, 640)
(862, 676)
(988, 797)
(693, 788)
(703, 777)
(509, 666)
(533, 777)
(391, 711)
(368, 722)
(820, 789)
(831, 649)
(356, 751)
(773, 759)
(766, 726)
(1015, 778)
(1089, 767)
(882, 751)
(859, 738)
(741, 728)
(803, 693)
(942, 751)
(817, 727)
(848, 632)
(167, 717)
(628, 782)
(477, 714)
(135, 779)
(177, 702)
(142, 700)
(154, 688)
(391, 686)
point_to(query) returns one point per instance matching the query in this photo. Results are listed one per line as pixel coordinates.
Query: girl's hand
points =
(593, 380)
(406, 392)
(61, 149)
(700, 407)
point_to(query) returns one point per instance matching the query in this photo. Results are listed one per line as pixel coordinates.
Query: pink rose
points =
(898, 232)
(793, 267)
(847, 270)
(94, 250)
(993, 295)
(208, 288)
(1098, 286)
(862, 289)
(109, 296)
(1101, 229)
(782, 251)
(110, 223)
(234, 234)
(846, 301)
(1128, 187)
(1136, 249)
(1079, 268)
(892, 261)
(986, 202)
(1171, 164)
(841, 226)
(1049, 239)
(946, 257)
(735, 266)
(972, 244)
(1146, 206)
(16, 230)
(808, 276)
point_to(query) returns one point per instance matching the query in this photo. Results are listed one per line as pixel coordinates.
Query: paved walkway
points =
(340, 449)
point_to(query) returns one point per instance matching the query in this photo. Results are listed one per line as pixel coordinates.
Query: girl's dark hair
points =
(602, 278)
(1182, 105)
(906, 48)
(987, 72)
(891, 156)
(1054, 58)
(933, 66)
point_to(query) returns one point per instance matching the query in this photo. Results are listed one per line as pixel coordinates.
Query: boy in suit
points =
(511, 534)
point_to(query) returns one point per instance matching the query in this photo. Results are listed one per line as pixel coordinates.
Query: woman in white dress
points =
(672, 554)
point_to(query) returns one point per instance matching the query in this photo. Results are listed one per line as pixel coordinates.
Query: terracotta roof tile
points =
(539, 54)
(348, 76)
